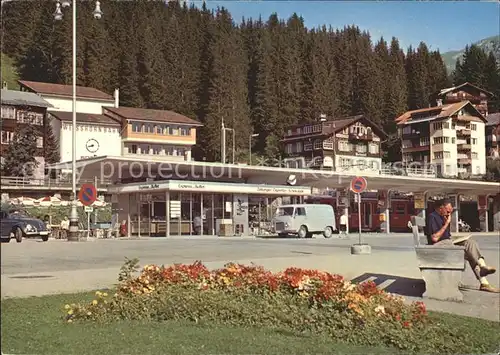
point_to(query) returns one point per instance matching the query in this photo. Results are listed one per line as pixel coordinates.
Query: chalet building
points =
(493, 135)
(450, 137)
(465, 92)
(21, 108)
(351, 143)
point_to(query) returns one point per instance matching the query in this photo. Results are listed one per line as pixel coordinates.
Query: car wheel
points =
(302, 233)
(45, 238)
(328, 232)
(18, 234)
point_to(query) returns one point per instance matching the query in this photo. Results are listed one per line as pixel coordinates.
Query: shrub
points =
(301, 300)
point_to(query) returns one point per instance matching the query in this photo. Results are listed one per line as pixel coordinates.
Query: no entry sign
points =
(87, 194)
(358, 184)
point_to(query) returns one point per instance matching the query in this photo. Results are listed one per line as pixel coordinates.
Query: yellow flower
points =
(94, 302)
(89, 313)
(67, 306)
(98, 293)
(105, 294)
(115, 295)
(70, 321)
(70, 312)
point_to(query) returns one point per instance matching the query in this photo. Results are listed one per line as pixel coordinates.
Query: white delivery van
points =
(305, 220)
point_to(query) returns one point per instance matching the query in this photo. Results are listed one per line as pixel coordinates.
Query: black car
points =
(18, 224)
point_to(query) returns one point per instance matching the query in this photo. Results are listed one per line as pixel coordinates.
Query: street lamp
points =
(224, 129)
(58, 15)
(250, 147)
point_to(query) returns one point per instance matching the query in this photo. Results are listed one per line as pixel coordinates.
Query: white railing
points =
(46, 182)
(413, 172)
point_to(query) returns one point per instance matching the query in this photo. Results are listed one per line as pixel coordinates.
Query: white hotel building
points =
(450, 137)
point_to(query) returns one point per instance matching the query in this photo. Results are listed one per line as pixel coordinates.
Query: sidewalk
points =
(380, 266)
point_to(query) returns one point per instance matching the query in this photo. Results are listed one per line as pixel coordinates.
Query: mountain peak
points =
(490, 44)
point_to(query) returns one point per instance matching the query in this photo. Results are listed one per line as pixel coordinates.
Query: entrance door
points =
(366, 218)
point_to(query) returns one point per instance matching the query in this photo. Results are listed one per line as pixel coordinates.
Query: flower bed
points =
(298, 299)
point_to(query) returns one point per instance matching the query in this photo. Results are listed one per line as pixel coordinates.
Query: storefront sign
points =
(149, 186)
(216, 187)
(419, 201)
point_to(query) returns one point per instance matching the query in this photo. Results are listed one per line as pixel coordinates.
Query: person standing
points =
(343, 225)
(65, 228)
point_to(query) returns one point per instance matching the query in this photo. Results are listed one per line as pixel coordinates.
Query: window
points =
(452, 140)
(299, 131)
(361, 148)
(424, 141)
(473, 126)
(317, 128)
(407, 130)
(318, 144)
(145, 149)
(133, 149)
(181, 152)
(328, 145)
(399, 209)
(156, 150)
(446, 125)
(169, 151)
(474, 141)
(437, 126)
(184, 131)
(407, 144)
(289, 132)
(289, 149)
(441, 140)
(373, 148)
(39, 142)
(300, 211)
(438, 155)
(173, 131)
(298, 147)
(158, 130)
(474, 155)
(8, 112)
(307, 146)
(447, 154)
(307, 129)
(345, 163)
(7, 137)
(343, 146)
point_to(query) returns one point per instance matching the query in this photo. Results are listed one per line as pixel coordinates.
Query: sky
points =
(443, 25)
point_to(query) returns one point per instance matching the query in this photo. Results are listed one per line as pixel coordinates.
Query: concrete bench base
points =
(442, 268)
(442, 284)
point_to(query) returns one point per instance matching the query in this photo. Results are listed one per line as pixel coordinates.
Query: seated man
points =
(438, 233)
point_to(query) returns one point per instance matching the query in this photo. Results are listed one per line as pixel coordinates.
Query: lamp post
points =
(250, 147)
(224, 129)
(58, 15)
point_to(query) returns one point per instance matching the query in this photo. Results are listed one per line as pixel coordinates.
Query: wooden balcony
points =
(465, 161)
(418, 148)
(464, 132)
(363, 137)
(463, 146)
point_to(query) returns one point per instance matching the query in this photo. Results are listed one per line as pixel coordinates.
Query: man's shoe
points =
(485, 271)
(489, 288)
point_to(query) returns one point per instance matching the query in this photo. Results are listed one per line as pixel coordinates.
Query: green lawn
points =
(35, 326)
(9, 73)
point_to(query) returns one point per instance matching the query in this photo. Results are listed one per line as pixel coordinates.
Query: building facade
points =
(88, 100)
(22, 108)
(155, 133)
(493, 135)
(351, 143)
(449, 137)
(96, 135)
(464, 92)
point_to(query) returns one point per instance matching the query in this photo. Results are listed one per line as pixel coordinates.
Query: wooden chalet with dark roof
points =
(463, 92)
(334, 143)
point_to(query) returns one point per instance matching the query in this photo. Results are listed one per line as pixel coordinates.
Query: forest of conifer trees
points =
(261, 75)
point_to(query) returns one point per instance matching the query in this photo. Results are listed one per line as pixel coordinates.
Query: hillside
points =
(9, 73)
(490, 44)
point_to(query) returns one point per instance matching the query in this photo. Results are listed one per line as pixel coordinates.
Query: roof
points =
(64, 90)
(143, 114)
(20, 98)
(85, 117)
(447, 90)
(493, 119)
(440, 112)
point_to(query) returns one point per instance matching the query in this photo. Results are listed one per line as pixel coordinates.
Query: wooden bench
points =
(442, 267)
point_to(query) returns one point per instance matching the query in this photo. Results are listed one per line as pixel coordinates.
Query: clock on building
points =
(92, 145)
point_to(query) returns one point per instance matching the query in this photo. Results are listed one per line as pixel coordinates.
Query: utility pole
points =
(223, 143)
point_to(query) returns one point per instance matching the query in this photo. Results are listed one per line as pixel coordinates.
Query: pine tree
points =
(19, 158)
(51, 146)
(492, 82)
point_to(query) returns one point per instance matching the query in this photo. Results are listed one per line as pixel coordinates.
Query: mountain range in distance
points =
(490, 44)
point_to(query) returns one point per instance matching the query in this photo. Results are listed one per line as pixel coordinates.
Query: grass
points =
(34, 325)
(9, 73)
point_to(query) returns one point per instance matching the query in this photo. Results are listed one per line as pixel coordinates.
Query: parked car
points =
(19, 224)
(305, 220)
